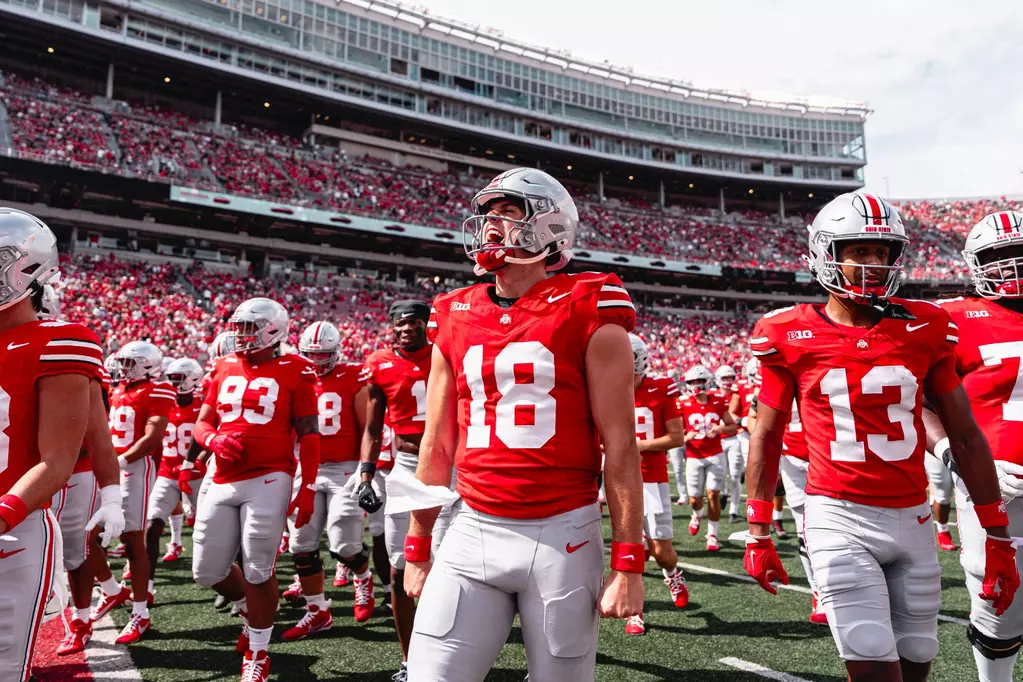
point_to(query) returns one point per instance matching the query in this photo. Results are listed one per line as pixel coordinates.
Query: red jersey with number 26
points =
(131, 408)
(258, 405)
(178, 440)
(700, 418)
(527, 445)
(989, 357)
(402, 377)
(340, 436)
(29, 352)
(860, 395)
(655, 407)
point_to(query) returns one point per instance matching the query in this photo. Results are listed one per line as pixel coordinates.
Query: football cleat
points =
(219, 602)
(190, 518)
(173, 552)
(364, 599)
(945, 541)
(256, 667)
(116, 552)
(402, 674)
(680, 502)
(315, 620)
(779, 530)
(817, 614)
(386, 603)
(108, 603)
(133, 631)
(712, 543)
(126, 574)
(77, 638)
(294, 591)
(635, 625)
(677, 586)
(734, 519)
(342, 575)
(242, 645)
(285, 544)
(694, 525)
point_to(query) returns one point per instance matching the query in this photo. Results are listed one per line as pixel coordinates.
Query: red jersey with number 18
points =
(860, 395)
(523, 405)
(258, 405)
(340, 436)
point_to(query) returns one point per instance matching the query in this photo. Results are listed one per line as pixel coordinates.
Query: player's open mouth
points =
(493, 235)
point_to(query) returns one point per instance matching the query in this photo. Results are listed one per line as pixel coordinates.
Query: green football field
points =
(727, 618)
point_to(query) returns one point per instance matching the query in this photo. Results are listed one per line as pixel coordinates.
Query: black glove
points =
(368, 499)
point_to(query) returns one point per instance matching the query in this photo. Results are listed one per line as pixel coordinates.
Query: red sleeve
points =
(438, 330)
(670, 407)
(942, 378)
(777, 387)
(70, 349)
(304, 401)
(614, 305)
(212, 392)
(161, 399)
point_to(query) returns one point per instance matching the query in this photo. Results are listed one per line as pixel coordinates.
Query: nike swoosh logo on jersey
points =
(268, 481)
(127, 474)
(913, 328)
(552, 299)
(922, 519)
(12, 346)
(569, 547)
(72, 486)
(285, 362)
(4, 555)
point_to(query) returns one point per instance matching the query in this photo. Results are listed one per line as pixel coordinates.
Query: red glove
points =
(303, 504)
(999, 571)
(184, 473)
(225, 446)
(762, 563)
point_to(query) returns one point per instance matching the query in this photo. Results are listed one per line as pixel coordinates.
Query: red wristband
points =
(992, 515)
(759, 511)
(12, 510)
(417, 549)
(628, 557)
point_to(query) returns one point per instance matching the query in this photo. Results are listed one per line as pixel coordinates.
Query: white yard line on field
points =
(760, 670)
(108, 660)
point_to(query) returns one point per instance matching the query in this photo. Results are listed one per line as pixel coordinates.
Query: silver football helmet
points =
(139, 360)
(258, 323)
(752, 367)
(221, 346)
(856, 216)
(697, 379)
(49, 303)
(185, 374)
(549, 226)
(320, 343)
(640, 355)
(162, 374)
(113, 368)
(725, 376)
(994, 276)
(28, 255)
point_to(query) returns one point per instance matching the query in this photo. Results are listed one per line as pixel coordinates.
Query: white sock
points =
(942, 527)
(667, 573)
(712, 528)
(387, 588)
(316, 600)
(83, 614)
(259, 639)
(175, 524)
(998, 670)
(698, 514)
(150, 587)
(777, 515)
(242, 606)
(365, 575)
(140, 608)
(110, 587)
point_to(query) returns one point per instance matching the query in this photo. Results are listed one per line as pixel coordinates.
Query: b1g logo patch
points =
(800, 335)
(977, 313)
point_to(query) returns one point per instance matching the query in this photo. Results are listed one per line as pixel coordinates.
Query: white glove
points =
(122, 462)
(1009, 481)
(109, 514)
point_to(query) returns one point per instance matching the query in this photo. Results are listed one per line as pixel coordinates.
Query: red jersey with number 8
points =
(258, 405)
(29, 352)
(131, 408)
(402, 377)
(527, 444)
(178, 440)
(340, 436)
(860, 395)
(655, 407)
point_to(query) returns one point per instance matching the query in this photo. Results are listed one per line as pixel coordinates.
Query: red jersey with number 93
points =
(527, 444)
(258, 405)
(860, 396)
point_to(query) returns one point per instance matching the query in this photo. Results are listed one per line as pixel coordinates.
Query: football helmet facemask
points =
(258, 323)
(996, 275)
(320, 343)
(725, 376)
(185, 374)
(139, 360)
(697, 379)
(28, 256)
(640, 355)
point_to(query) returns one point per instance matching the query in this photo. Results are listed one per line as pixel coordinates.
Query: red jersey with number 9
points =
(402, 377)
(29, 352)
(527, 444)
(131, 408)
(258, 405)
(178, 439)
(988, 357)
(340, 436)
(860, 395)
(700, 418)
(655, 407)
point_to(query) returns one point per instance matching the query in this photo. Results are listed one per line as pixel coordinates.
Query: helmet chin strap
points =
(526, 261)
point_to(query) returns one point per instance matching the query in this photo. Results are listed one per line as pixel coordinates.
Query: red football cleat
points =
(364, 599)
(126, 574)
(294, 591)
(190, 518)
(108, 602)
(945, 541)
(712, 543)
(677, 586)
(285, 544)
(342, 575)
(779, 530)
(116, 552)
(315, 620)
(173, 552)
(635, 625)
(242, 645)
(256, 667)
(133, 631)
(76, 639)
(817, 614)
(694, 524)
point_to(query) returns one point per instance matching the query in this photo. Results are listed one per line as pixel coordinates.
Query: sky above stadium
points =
(944, 78)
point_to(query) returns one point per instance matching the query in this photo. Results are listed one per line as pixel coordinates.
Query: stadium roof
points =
(422, 19)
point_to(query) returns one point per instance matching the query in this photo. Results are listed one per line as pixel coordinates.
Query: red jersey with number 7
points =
(340, 436)
(860, 395)
(258, 405)
(402, 377)
(527, 444)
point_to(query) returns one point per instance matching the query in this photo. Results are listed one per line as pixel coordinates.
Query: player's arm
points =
(150, 442)
(373, 434)
(764, 459)
(673, 438)
(97, 440)
(63, 415)
(735, 406)
(409, 443)
(751, 416)
(440, 439)
(359, 405)
(727, 427)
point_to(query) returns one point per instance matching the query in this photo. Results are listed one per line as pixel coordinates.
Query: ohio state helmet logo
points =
(874, 211)
(1005, 223)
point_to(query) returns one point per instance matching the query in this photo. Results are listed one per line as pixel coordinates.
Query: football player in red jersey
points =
(860, 366)
(184, 374)
(739, 407)
(47, 371)
(988, 358)
(335, 510)
(396, 381)
(138, 421)
(528, 377)
(728, 386)
(259, 401)
(707, 420)
(940, 479)
(658, 427)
